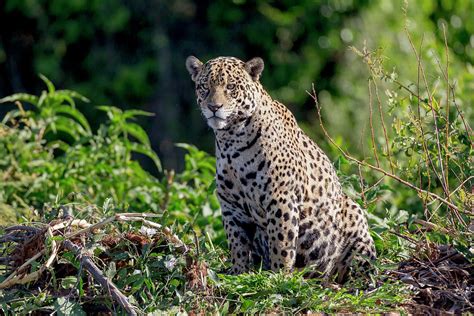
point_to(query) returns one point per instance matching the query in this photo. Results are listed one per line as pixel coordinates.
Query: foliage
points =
(418, 157)
(54, 159)
(140, 48)
(52, 163)
(50, 156)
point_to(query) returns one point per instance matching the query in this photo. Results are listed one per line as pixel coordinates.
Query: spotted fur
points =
(282, 203)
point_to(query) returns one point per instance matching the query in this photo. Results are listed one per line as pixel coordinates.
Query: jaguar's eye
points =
(203, 86)
(230, 86)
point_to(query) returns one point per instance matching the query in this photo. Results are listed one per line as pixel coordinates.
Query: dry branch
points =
(378, 169)
(123, 217)
(18, 277)
(90, 266)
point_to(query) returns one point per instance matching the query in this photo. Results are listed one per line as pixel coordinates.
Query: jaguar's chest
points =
(243, 180)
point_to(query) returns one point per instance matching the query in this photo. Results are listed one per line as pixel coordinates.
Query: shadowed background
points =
(131, 54)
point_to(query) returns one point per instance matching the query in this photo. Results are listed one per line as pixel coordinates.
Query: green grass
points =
(283, 293)
(154, 276)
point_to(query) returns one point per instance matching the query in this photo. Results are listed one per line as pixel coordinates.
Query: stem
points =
(388, 174)
(446, 159)
(89, 265)
(374, 147)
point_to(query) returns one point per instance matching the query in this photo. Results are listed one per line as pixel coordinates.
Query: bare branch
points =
(382, 120)
(446, 159)
(363, 163)
(99, 277)
(372, 132)
(444, 182)
(16, 278)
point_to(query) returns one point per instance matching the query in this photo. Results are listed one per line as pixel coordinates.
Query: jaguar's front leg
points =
(282, 230)
(240, 234)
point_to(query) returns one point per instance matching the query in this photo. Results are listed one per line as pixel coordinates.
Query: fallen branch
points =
(172, 238)
(123, 217)
(24, 228)
(99, 277)
(431, 226)
(15, 278)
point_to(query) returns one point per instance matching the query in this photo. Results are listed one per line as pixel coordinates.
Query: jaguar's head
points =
(227, 88)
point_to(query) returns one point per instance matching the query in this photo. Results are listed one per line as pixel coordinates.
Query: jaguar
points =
(282, 203)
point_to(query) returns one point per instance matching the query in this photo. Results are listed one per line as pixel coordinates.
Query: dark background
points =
(131, 54)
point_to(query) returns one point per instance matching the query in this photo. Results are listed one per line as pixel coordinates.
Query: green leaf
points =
(139, 148)
(69, 282)
(48, 83)
(138, 132)
(114, 113)
(74, 94)
(109, 108)
(70, 257)
(66, 307)
(24, 97)
(60, 97)
(67, 126)
(188, 147)
(77, 115)
(212, 187)
(132, 113)
(42, 99)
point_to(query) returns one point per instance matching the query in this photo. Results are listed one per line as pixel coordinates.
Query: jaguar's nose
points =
(214, 106)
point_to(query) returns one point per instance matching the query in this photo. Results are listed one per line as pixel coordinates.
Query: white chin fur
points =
(216, 123)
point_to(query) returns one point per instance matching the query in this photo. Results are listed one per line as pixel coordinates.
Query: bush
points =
(50, 157)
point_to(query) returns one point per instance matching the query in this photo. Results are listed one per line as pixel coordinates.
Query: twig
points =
(363, 163)
(23, 227)
(433, 112)
(91, 227)
(461, 185)
(448, 256)
(466, 126)
(374, 185)
(362, 190)
(417, 95)
(423, 142)
(5, 260)
(11, 238)
(382, 120)
(372, 132)
(99, 277)
(430, 225)
(14, 278)
(173, 238)
(75, 222)
(169, 181)
(446, 159)
(457, 188)
(413, 241)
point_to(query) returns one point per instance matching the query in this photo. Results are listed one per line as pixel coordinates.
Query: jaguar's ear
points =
(194, 66)
(254, 67)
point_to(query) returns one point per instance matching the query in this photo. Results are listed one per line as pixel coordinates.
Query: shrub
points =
(49, 157)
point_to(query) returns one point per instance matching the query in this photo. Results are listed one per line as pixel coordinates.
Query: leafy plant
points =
(54, 112)
(50, 157)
